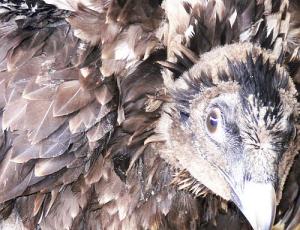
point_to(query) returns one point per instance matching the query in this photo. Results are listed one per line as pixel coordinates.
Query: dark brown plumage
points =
(149, 114)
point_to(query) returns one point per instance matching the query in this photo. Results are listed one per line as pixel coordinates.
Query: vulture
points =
(149, 114)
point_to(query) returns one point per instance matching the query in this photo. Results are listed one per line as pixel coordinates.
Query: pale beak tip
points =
(257, 202)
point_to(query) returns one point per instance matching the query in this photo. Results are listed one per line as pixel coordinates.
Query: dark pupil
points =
(213, 120)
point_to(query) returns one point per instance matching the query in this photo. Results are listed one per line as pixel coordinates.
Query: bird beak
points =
(257, 201)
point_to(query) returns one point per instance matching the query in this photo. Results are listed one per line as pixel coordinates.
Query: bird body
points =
(149, 114)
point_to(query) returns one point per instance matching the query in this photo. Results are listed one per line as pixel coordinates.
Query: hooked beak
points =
(257, 201)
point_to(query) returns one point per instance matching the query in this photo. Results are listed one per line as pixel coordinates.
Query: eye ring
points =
(213, 120)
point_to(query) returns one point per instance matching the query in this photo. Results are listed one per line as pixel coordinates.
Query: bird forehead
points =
(266, 118)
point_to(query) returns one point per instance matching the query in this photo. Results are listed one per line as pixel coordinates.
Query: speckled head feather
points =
(256, 102)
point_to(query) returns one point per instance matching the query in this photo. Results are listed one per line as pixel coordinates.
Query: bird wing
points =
(59, 100)
(57, 109)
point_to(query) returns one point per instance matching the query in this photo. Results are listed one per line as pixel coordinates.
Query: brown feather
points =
(103, 94)
(48, 166)
(86, 118)
(39, 120)
(103, 127)
(26, 50)
(13, 116)
(34, 91)
(70, 97)
(22, 150)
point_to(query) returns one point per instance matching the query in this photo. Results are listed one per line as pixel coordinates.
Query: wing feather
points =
(22, 150)
(34, 91)
(39, 120)
(44, 167)
(70, 97)
(13, 115)
(55, 121)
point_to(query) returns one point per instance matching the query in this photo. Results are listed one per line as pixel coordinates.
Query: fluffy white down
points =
(12, 223)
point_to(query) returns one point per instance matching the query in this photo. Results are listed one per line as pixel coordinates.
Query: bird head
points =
(231, 128)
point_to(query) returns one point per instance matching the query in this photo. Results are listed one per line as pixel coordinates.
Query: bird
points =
(163, 114)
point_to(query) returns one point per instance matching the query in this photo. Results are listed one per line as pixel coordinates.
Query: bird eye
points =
(213, 120)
